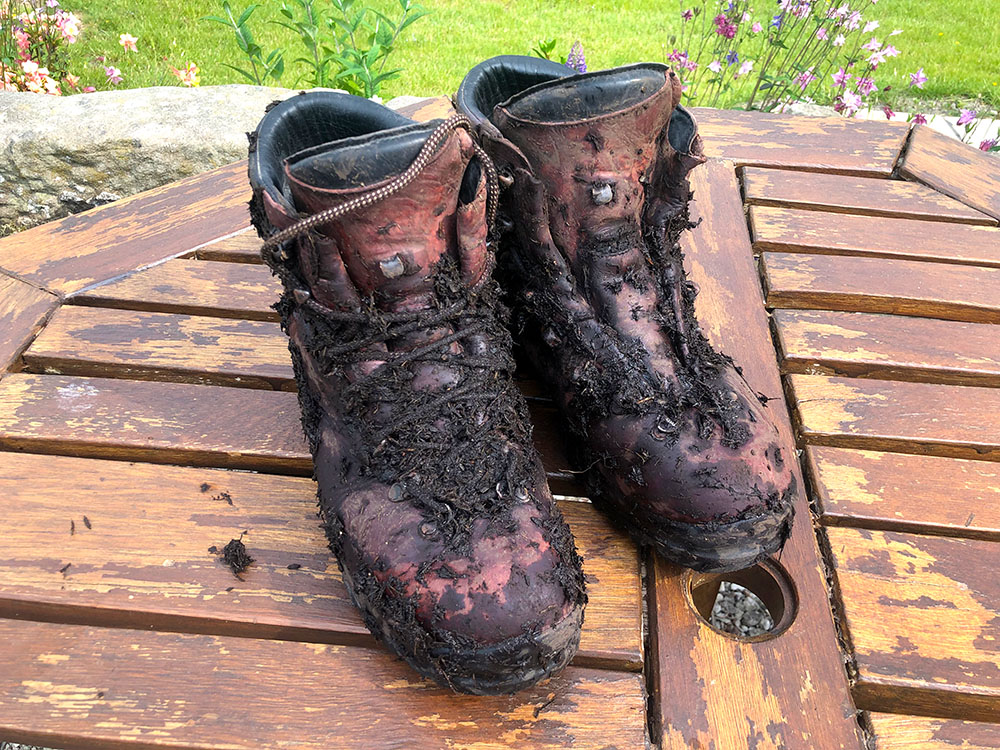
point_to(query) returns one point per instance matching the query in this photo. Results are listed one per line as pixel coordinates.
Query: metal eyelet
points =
(602, 193)
(397, 493)
(521, 495)
(428, 528)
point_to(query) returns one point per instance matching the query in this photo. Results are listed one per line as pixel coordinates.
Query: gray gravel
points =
(740, 612)
(16, 746)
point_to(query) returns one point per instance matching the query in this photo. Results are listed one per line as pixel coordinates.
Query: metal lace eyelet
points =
(392, 268)
(396, 493)
(602, 194)
(521, 495)
(663, 427)
(428, 528)
(501, 492)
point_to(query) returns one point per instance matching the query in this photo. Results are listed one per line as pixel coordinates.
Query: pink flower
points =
(876, 58)
(887, 111)
(72, 81)
(918, 79)
(872, 45)
(967, 116)
(687, 15)
(29, 67)
(866, 86)
(890, 51)
(821, 34)
(724, 27)
(114, 75)
(840, 78)
(870, 27)
(895, 32)
(839, 41)
(852, 102)
(187, 76)
(89, 89)
(756, 28)
(745, 68)
(988, 144)
(804, 78)
(853, 21)
(919, 119)
(715, 66)
(128, 42)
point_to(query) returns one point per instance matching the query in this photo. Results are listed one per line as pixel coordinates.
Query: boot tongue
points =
(390, 248)
(591, 140)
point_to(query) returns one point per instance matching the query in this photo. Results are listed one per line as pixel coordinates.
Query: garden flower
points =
(89, 90)
(870, 27)
(852, 102)
(756, 28)
(876, 58)
(575, 59)
(866, 86)
(919, 119)
(821, 34)
(188, 76)
(776, 21)
(988, 144)
(732, 58)
(68, 25)
(114, 75)
(839, 41)
(872, 45)
(804, 78)
(887, 111)
(840, 78)
(715, 66)
(52, 3)
(29, 67)
(918, 79)
(724, 27)
(128, 42)
(967, 116)
(72, 81)
(745, 68)
(890, 51)
(853, 21)
(687, 15)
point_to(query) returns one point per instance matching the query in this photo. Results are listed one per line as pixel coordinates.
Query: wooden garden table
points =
(147, 417)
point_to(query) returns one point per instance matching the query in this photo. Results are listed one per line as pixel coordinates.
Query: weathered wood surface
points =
(820, 342)
(953, 168)
(243, 247)
(190, 424)
(224, 290)
(136, 689)
(826, 144)
(880, 285)
(902, 492)
(162, 346)
(923, 615)
(795, 230)
(70, 254)
(709, 690)
(142, 558)
(924, 418)
(898, 732)
(855, 195)
(23, 309)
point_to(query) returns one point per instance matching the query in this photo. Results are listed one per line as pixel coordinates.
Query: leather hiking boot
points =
(679, 449)
(432, 495)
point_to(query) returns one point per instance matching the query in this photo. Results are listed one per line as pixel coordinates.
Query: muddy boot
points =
(679, 448)
(434, 500)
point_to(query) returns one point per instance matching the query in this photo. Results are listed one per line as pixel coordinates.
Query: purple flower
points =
(822, 34)
(732, 58)
(114, 75)
(575, 59)
(887, 111)
(967, 116)
(687, 15)
(777, 20)
(988, 144)
(840, 78)
(866, 86)
(804, 78)
(852, 102)
(918, 79)
(919, 119)
(52, 3)
(724, 27)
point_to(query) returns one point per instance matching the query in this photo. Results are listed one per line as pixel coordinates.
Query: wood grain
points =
(900, 492)
(954, 168)
(823, 144)
(431, 108)
(923, 614)
(790, 692)
(795, 230)
(880, 285)
(23, 309)
(923, 418)
(161, 346)
(855, 195)
(70, 254)
(896, 732)
(820, 342)
(105, 688)
(145, 559)
(243, 247)
(189, 424)
(223, 290)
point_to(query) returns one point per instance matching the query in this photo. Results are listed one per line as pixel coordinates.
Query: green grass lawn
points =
(957, 44)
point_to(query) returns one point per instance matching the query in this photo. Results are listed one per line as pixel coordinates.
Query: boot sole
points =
(496, 669)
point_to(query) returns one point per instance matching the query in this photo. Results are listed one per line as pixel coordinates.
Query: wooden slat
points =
(924, 418)
(898, 732)
(161, 346)
(710, 690)
(855, 195)
(144, 560)
(955, 169)
(900, 492)
(821, 342)
(880, 285)
(90, 688)
(224, 290)
(923, 615)
(190, 424)
(825, 144)
(431, 108)
(23, 309)
(70, 254)
(795, 230)
(239, 248)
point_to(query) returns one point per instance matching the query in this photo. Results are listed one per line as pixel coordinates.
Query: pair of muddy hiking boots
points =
(401, 318)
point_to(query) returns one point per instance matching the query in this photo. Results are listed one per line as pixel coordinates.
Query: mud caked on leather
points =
(432, 495)
(678, 447)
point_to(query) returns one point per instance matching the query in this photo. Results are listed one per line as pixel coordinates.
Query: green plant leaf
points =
(245, 15)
